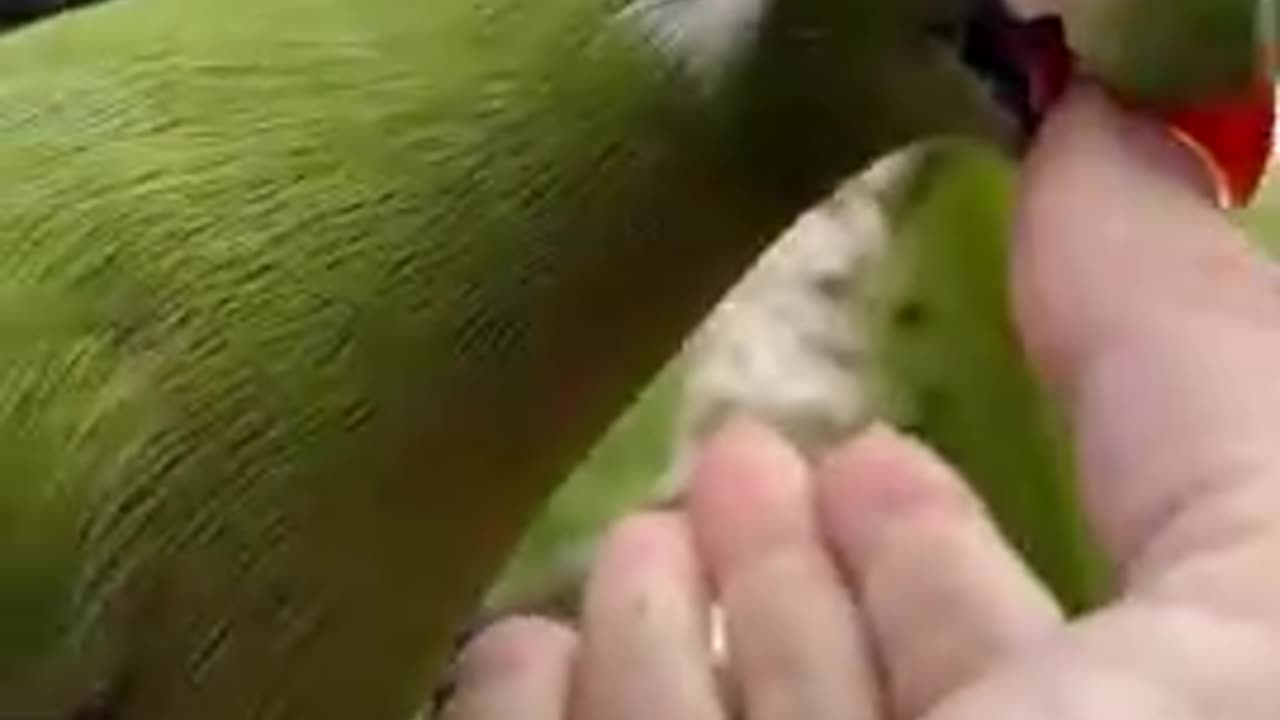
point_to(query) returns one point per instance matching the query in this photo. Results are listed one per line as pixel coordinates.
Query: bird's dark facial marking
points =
(1024, 63)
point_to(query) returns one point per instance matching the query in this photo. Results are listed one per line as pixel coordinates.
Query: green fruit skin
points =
(949, 366)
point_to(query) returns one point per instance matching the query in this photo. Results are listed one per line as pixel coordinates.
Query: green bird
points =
(307, 305)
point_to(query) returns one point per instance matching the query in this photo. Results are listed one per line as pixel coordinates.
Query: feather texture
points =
(305, 306)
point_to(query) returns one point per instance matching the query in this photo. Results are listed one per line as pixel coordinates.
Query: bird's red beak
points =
(1231, 135)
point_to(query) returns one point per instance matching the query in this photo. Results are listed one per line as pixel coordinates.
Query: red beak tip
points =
(1233, 138)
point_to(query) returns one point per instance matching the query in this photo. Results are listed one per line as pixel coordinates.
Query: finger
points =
(645, 647)
(1146, 308)
(517, 668)
(795, 647)
(943, 594)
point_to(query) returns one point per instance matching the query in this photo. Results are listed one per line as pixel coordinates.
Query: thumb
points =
(1145, 308)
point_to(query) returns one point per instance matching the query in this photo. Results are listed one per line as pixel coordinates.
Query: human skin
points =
(873, 586)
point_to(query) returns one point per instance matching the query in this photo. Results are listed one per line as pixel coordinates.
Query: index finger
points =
(1146, 308)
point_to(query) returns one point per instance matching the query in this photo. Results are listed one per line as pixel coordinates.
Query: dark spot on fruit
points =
(910, 314)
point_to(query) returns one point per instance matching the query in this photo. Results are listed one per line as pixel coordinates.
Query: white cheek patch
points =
(703, 37)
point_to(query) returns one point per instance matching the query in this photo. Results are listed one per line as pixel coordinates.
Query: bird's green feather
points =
(306, 305)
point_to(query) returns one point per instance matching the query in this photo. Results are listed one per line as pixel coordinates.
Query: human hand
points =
(874, 587)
